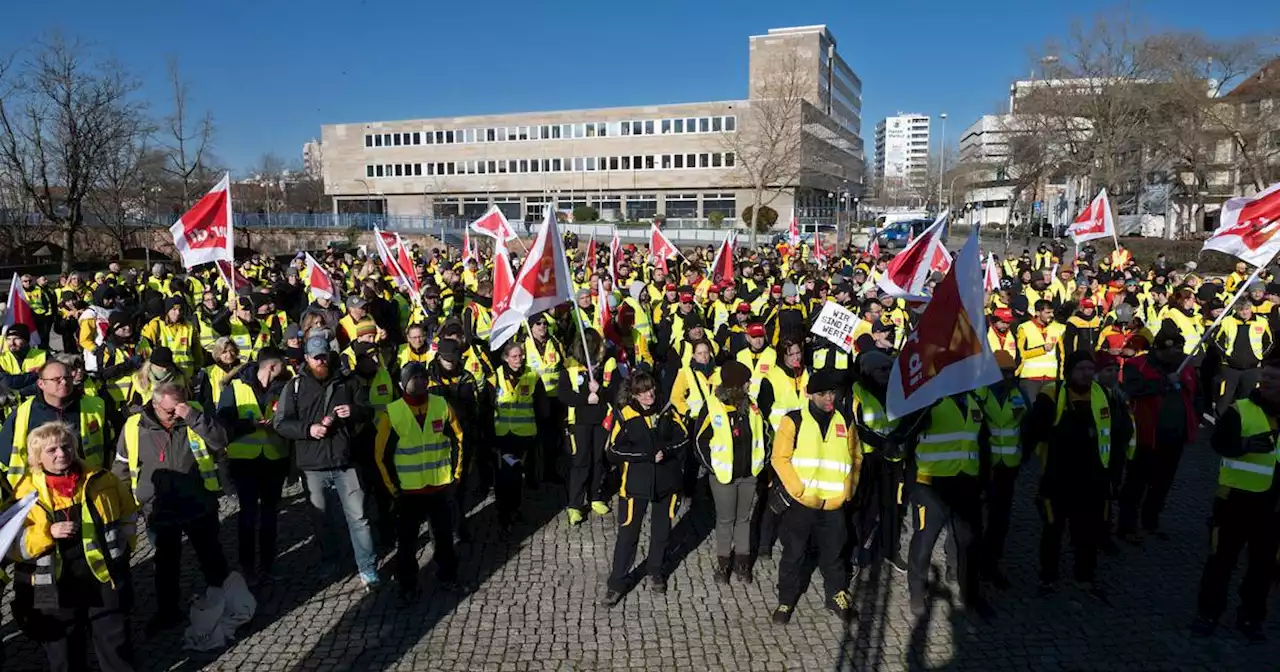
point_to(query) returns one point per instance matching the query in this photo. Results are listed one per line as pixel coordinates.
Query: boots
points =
(742, 567)
(724, 567)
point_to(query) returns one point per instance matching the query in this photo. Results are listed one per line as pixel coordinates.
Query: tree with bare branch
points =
(118, 200)
(63, 111)
(187, 139)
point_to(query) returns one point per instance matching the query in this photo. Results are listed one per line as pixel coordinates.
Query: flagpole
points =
(1244, 286)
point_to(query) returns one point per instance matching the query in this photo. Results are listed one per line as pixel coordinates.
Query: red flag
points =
(543, 283)
(908, 272)
(605, 318)
(591, 254)
(231, 276)
(722, 267)
(18, 311)
(873, 248)
(820, 254)
(319, 281)
(660, 248)
(395, 258)
(793, 231)
(1248, 227)
(467, 254)
(1095, 222)
(204, 233)
(503, 279)
(494, 224)
(615, 255)
(947, 353)
(991, 275)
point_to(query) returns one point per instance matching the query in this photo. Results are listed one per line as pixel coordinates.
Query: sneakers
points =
(898, 564)
(600, 508)
(575, 516)
(1252, 630)
(370, 581)
(841, 604)
(1203, 626)
(724, 568)
(782, 614)
(742, 567)
(658, 585)
(611, 598)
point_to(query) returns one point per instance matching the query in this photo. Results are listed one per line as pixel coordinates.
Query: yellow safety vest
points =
(481, 321)
(48, 567)
(760, 363)
(788, 394)
(950, 445)
(871, 414)
(546, 363)
(700, 387)
(1004, 421)
(578, 377)
(822, 462)
(642, 323)
(1250, 472)
(263, 441)
(93, 435)
(381, 390)
(405, 354)
(215, 375)
(204, 460)
(245, 341)
(1230, 326)
(117, 389)
(1101, 409)
(207, 335)
(722, 440)
(34, 359)
(178, 338)
(423, 455)
(1189, 327)
(840, 359)
(1044, 366)
(514, 405)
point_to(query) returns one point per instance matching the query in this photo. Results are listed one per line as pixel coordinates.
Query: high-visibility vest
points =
(178, 338)
(423, 455)
(245, 340)
(839, 357)
(1189, 327)
(788, 394)
(38, 300)
(1250, 472)
(114, 539)
(513, 410)
(642, 323)
(1008, 342)
(822, 461)
(1004, 421)
(1100, 407)
(1230, 326)
(118, 389)
(481, 320)
(870, 414)
(262, 442)
(93, 435)
(577, 374)
(349, 326)
(760, 363)
(722, 440)
(382, 391)
(204, 459)
(207, 335)
(700, 387)
(1044, 366)
(31, 362)
(215, 375)
(546, 363)
(950, 445)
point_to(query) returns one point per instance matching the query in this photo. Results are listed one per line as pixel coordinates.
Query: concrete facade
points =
(902, 151)
(678, 160)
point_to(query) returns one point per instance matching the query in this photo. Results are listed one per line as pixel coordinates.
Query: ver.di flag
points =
(660, 247)
(1248, 228)
(615, 256)
(1095, 222)
(494, 224)
(947, 353)
(722, 266)
(543, 283)
(991, 274)
(908, 272)
(503, 278)
(318, 281)
(204, 234)
(18, 311)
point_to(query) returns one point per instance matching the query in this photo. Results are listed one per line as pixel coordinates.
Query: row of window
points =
(601, 129)
(577, 164)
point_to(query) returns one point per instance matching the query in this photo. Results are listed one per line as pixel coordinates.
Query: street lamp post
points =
(942, 157)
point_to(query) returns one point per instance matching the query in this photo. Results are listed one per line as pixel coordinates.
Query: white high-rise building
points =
(902, 151)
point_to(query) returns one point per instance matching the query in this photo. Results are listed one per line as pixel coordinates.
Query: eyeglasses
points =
(57, 379)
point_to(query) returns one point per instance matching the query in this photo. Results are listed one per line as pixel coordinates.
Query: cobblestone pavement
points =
(533, 608)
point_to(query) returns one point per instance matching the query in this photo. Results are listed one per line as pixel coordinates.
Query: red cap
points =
(1087, 302)
(744, 307)
(686, 298)
(755, 330)
(713, 288)
(671, 287)
(1003, 315)
(776, 289)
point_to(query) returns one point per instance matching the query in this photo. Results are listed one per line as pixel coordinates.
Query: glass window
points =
(666, 161)
(400, 138)
(626, 163)
(524, 132)
(524, 166)
(678, 124)
(728, 159)
(690, 160)
(386, 139)
(715, 124)
(378, 171)
(637, 128)
(704, 124)
(417, 138)
(730, 123)
(483, 168)
(715, 160)
(704, 160)
(642, 207)
(555, 165)
(591, 163)
(513, 166)
(368, 171)
(440, 168)
(448, 137)
(690, 125)
(417, 170)
(682, 207)
(450, 168)
(431, 169)
(535, 166)
(648, 127)
(603, 129)
(666, 126)
(377, 141)
(488, 135)
(613, 163)
(679, 160)
(626, 128)
(555, 132)
(648, 162)
(493, 166)
(578, 164)
(590, 130)
(368, 141)
(635, 163)
(397, 168)
(725, 206)
(544, 132)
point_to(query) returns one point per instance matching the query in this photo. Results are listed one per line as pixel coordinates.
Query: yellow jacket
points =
(784, 445)
(110, 496)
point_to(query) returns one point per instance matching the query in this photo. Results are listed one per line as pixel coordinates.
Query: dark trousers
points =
(551, 431)
(952, 503)
(202, 532)
(587, 465)
(377, 499)
(1082, 512)
(827, 530)
(1146, 487)
(1242, 519)
(508, 485)
(631, 512)
(764, 527)
(412, 509)
(259, 483)
(65, 631)
(891, 505)
(1000, 490)
(1234, 384)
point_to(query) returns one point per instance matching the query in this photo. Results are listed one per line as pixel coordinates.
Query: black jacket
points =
(634, 442)
(170, 489)
(306, 401)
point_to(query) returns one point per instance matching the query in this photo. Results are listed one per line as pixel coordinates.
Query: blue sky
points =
(273, 71)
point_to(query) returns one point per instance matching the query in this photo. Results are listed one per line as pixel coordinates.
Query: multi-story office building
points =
(902, 152)
(684, 160)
